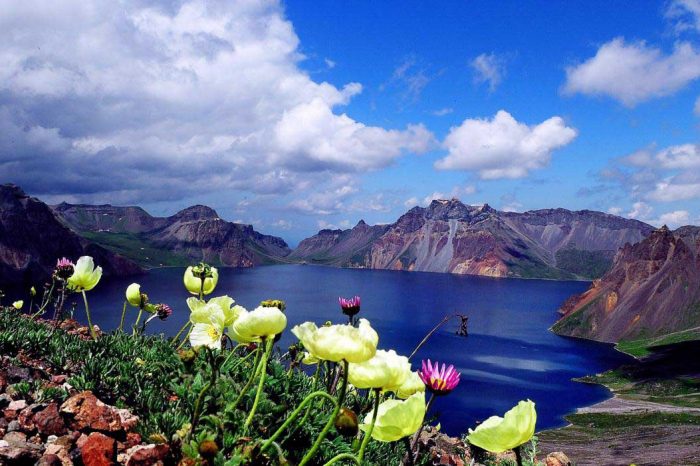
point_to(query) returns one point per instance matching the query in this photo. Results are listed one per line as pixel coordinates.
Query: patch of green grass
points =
(616, 421)
(641, 347)
(577, 323)
(136, 248)
(584, 264)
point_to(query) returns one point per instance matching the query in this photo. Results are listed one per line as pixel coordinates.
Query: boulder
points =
(147, 455)
(49, 421)
(90, 414)
(99, 450)
(557, 459)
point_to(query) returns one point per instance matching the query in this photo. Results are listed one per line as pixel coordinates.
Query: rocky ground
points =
(44, 421)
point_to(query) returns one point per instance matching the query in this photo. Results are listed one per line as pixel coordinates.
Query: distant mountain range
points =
(194, 234)
(652, 289)
(32, 239)
(449, 236)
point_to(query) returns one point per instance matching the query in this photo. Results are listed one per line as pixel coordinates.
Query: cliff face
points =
(193, 234)
(449, 236)
(652, 289)
(32, 239)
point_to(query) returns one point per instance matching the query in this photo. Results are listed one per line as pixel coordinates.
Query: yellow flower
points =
(85, 275)
(411, 385)
(309, 359)
(261, 322)
(338, 342)
(498, 434)
(18, 304)
(133, 294)
(385, 370)
(209, 328)
(194, 283)
(199, 308)
(397, 419)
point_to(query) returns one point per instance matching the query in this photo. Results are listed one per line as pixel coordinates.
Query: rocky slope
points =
(193, 234)
(652, 289)
(449, 236)
(32, 239)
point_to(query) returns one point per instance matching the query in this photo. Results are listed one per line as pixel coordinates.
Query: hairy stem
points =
(87, 312)
(368, 434)
(268, 348)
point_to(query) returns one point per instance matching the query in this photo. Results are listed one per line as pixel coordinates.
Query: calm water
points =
(509, 354)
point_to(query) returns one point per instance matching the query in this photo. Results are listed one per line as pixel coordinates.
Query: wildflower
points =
(338, 342)
(195, 274)
(225, 303)
(308, 359)
(134, 295)
(497, 434)
(208, 328)
(64, 268)
(18, 304)
(439, 380)
(163, 311)
(85, 275)
(385, 370)
(411, 385)
(262, 322)
(350, 306)
(397, 418)
(32, 291)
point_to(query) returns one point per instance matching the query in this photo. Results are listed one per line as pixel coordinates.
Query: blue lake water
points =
(509, 355)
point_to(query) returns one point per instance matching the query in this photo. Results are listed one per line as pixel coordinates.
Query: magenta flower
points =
(350, 306)
(163, 311)
(64, 268)
(439, 380)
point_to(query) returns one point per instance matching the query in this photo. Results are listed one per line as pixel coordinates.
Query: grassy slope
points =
(642, 347)
(136, 248)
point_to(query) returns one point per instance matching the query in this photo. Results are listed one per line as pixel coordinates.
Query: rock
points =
(61, 452)
(17, 405)
(99, 450)
(49, 421)
(557, 459)
(19, 456)
(58, 379)
(127, 419)
(15, 438)
(89, 413)
(13, 426)
(147, 455)
(132, 439)
(17, 374)
(5, 400)
(50, 460)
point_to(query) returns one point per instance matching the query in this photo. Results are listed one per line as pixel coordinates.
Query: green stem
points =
(368, 434)
(309, 398)
(121, 322)
(184, 340)
(344, 456)
(268, 348)
(253, 373)
(231, 353)
(138, 319)
(205, 389)
(87, 312)
(341, 397)
(46, 299)
(182, 329)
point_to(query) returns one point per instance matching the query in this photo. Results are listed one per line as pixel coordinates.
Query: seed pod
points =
(346, 423)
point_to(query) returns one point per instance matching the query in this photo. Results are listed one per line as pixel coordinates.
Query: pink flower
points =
(350, 306)
(64, 268)
(439, 380)
(163, 311)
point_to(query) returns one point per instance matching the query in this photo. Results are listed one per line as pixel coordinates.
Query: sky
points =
(301, 115)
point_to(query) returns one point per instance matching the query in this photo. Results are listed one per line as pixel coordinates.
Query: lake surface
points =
(509, 355)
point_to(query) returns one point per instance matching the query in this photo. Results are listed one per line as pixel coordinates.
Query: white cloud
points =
(329, 63)
(686, 14)
(458, 192)
(682, 156)
(672, 189)
(615, 210)
(443, 111)
(489, 68)
(503, 147)
(640, 211)
(147, 102)
(634, 72)
(674, 219)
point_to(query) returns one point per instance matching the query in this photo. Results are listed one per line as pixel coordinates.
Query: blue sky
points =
(296, 116)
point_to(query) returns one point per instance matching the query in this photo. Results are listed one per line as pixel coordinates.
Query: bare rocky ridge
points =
(652, 289)
(449, 236)
(196, 233)
(32, 239)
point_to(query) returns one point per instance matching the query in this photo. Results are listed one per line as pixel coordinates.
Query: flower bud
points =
(32, 291)
(187, 356)
(208, 449)
(346, 423)
(18, 304)
(278, 303)
(133, 295)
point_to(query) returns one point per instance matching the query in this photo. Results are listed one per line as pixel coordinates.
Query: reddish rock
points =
(19, 456)
(61, 451)
(49, 421)
(99, 450)
(50, 460)
(557, 459)
(58, 379)
(132, 439)
(148, 455)
(89, 413)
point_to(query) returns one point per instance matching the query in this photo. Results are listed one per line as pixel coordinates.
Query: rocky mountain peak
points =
(452, 209)
(195, 213)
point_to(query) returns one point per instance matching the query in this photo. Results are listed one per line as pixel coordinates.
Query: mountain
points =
(652, 289)
(32, 239)
(449, 236)
(194, 234)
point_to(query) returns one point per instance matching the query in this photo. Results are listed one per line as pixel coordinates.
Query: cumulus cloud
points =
(488, 68)
(634, 72)
(685, 14)
(674, 219)
(502, 147)
(457, 192)
(149, 102)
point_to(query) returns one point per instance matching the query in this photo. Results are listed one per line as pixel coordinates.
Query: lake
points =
(509, 354)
